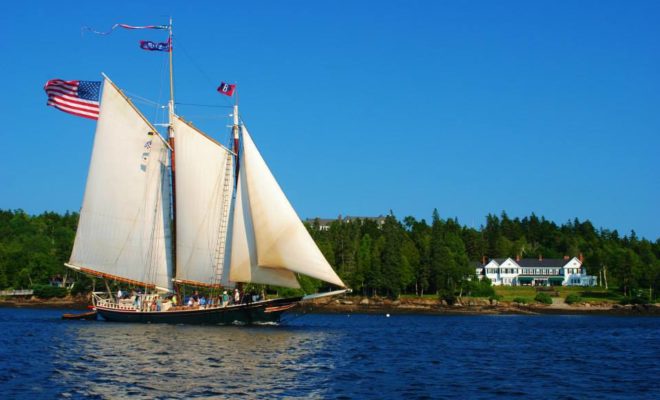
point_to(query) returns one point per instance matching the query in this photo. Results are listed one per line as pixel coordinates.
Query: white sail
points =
(203, 194)
(244, 267)
(282, 241)
(123, 231)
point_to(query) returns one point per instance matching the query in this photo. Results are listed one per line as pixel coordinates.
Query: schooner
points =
(161, 212)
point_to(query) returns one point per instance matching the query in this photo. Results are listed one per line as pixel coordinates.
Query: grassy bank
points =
(588, 295)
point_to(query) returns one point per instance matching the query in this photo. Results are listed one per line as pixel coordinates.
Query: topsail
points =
(203, 196)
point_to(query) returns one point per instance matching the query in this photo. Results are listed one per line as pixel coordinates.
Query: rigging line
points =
(164, 75)
(306, 311)
(190, 117)
(194, 63)
(202, 105)
(142, 99)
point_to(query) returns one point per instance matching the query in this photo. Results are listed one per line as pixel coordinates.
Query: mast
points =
(235, 130)
(170, 131)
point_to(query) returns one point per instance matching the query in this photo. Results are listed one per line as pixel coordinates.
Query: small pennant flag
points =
(226, 89)
(79, 98)
(125, 26)
(153, 46)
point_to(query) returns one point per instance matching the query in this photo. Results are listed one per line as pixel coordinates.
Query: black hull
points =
(268, 311)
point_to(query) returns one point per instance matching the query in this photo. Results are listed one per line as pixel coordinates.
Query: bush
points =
(449, 297)
(496, 297)
(543, 298)
(521, 300)
(573, 298)
(46, 291)
(633, 300)
(481, 288)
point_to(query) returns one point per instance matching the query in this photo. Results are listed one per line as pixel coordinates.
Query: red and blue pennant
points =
(226, 89)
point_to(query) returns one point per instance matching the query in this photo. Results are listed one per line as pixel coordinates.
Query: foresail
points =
(203, 195)
(123, 231)
(282, 241)
(244, 266)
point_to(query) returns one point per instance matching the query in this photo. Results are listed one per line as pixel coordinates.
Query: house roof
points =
(499, 261)
(542, 263)
(531, 262)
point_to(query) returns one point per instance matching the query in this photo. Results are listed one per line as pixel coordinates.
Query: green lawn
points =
(508, 293)
(591, 295)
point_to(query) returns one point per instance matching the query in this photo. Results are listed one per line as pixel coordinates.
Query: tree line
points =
(416, 257)
(386, 257)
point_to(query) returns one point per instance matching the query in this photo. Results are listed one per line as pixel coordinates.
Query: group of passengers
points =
(154, 302)
(223, 300)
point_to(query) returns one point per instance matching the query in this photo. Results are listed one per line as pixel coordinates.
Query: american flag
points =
(79, 98)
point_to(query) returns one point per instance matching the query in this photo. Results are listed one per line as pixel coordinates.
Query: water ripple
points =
(332, 356)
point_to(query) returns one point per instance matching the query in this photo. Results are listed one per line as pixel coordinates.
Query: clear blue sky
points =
(359, 107)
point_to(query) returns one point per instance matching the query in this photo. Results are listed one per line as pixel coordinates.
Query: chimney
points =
(483, 260)
(540, 257)
(566, 258)
(581, 258)
(517, 257)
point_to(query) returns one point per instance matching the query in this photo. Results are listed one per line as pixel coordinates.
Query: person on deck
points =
(237, 296)
(225, 299)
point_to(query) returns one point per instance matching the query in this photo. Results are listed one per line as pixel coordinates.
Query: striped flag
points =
(125, 26)
(79, 98)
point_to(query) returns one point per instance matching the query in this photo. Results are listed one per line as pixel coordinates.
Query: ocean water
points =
(332, 356)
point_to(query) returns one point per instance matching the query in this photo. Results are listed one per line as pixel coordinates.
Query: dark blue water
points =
(333, 356)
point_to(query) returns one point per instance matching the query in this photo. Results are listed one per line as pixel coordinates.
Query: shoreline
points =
(472, 307)
(357, 305)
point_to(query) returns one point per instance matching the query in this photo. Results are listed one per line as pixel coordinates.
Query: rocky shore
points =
(69, 302)
(364, 305)
(469, 306)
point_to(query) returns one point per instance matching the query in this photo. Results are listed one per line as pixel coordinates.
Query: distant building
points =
(536, 272)
(324, 223)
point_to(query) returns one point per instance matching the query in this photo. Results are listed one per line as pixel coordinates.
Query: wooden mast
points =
(171, 134)
(235, 131)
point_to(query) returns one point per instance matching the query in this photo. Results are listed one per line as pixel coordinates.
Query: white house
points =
(537, 272)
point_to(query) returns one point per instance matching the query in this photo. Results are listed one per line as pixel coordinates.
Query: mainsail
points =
(123, 231)
(204, 183)
(269, 227)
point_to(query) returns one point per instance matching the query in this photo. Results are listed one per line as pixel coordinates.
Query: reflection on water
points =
(147, 361)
